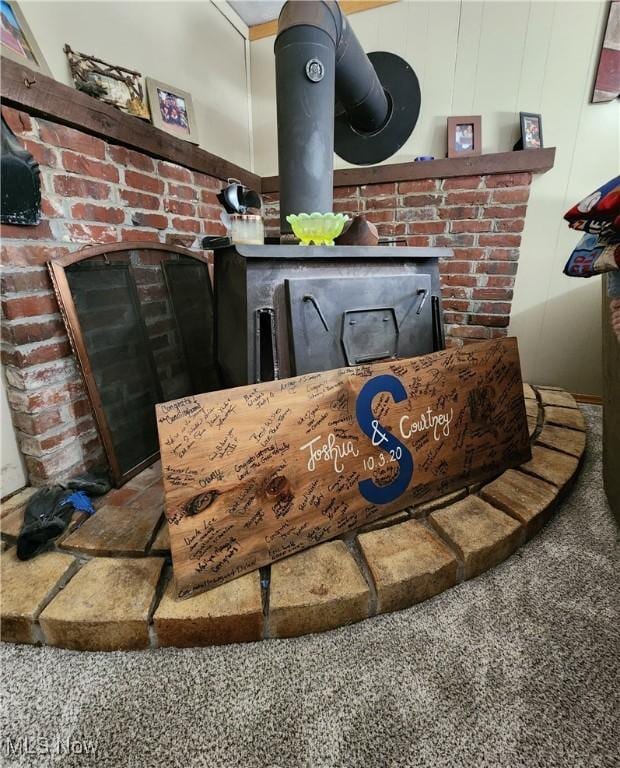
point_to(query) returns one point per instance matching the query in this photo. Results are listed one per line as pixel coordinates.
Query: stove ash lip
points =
(290, 251)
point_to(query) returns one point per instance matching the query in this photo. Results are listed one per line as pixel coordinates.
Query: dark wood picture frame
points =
(525, 142)
(455, 145)
(73, 326)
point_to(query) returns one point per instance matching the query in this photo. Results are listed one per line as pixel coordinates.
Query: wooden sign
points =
(257, 473)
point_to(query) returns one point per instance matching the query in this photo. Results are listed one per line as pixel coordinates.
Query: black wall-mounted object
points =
(331, 94)
(20, 182)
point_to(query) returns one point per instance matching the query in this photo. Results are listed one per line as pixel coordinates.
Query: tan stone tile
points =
(230, 613)
(481, 534)
(26, 586)
(441, 501)
(161, 544)
(144, 479)
(105, 607)
(531, 425)
(525, 497)
(319, 589)
(557, 397)
(11, 523)
(408, 564)
(569, 441)
(383, 522)
(18, 501)
(553, 466)
(152, 497)
(115, 530)
(565, 417)
(528, 392)
(120, 497)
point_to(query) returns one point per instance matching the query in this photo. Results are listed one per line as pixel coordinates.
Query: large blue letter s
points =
(383, 494)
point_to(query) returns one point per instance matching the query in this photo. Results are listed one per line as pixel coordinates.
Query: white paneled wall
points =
(190, 45)
(496, 59)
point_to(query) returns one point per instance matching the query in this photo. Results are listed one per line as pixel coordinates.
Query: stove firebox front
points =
(285, 310)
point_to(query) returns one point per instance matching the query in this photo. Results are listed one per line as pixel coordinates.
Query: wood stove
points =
(282, 310)
(285, 310)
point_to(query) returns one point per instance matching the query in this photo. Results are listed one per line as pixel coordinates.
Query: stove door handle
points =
(423, 302)
(309, 297)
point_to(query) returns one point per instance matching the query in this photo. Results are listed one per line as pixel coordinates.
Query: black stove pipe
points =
(317, 56)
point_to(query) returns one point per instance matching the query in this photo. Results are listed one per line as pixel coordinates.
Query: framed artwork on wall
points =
(17, 41)
(464, 136)
(607, 83)
(172, 110)
(118, 86)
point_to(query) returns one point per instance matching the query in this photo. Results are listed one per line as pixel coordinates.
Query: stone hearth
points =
(106, 585)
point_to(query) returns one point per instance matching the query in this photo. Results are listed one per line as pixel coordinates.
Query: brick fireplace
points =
(111, 178)
(92, 191)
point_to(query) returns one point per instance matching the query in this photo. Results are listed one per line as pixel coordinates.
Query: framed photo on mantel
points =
(172, 110)
(531, 131)
(464, 136)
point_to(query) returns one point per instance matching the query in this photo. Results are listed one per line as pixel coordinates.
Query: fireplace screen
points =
(141, 321)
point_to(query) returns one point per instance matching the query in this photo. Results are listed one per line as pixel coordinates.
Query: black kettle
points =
(236, 198)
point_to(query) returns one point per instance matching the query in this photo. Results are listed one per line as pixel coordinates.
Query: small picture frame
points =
(17, 41)
(464, 136)
(531, 131)
(172, 110)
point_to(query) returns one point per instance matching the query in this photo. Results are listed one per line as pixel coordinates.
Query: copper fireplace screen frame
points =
(73, 326)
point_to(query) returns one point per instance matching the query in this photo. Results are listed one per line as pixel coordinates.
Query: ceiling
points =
(256, 11)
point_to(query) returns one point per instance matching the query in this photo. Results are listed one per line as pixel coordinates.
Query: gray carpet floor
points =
(518, 667)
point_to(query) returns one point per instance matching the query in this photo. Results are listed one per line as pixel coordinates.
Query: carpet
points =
(518, 667)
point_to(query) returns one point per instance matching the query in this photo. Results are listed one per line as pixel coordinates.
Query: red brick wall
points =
(480, 217)
(92, 192)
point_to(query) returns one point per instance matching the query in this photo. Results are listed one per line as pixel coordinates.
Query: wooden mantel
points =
(44, 97)
(532, 160)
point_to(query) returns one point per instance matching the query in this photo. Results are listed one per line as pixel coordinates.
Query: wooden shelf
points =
(532, 160)
(42, 96)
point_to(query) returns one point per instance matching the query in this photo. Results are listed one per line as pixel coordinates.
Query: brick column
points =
(92, 192)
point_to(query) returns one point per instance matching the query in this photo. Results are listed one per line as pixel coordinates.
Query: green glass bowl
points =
(318, 228)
